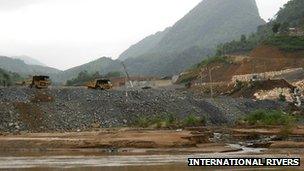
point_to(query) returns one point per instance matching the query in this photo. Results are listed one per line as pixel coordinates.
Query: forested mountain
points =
(20, 67)
(292, 14)
(193, 38)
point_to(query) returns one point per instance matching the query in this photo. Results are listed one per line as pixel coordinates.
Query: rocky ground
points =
(78, 109)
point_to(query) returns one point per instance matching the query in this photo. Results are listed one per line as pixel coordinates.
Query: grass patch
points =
(270, 117)
(168, 121)
(142, 122)
(159, 121)
(192, 120)
(211, 60)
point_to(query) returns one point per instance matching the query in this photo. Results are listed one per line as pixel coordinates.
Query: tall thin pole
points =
(210, 79)
(125, 68)
(202, 77)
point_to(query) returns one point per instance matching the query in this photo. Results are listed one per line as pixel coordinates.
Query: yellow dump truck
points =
(40, 82)
(103, 84)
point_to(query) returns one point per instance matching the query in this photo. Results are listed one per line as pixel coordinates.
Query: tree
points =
(276, 27)
(284, 27)
(243, 39)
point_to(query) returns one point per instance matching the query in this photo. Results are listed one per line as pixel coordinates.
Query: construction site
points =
(149, 116)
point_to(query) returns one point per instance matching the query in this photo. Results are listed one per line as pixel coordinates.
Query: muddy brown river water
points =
(154, 168)
(117, 163)
(22, 158)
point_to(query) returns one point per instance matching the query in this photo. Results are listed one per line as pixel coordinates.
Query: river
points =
(123, 163)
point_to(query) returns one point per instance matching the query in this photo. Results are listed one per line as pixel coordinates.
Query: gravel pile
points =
(78, 109)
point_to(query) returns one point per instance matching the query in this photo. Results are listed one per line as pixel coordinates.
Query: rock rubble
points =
(78, 109)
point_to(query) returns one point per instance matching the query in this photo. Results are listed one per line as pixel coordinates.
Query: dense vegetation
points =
(283, 42)
(292, 14)
(274, 33)
(286, 43)
(269, 117)
(8, 78)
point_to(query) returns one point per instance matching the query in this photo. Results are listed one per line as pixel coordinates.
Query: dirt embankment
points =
(278, 142)
(267, 58)
(262, 59)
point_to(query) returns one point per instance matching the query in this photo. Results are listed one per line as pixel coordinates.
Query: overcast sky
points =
(67, 33)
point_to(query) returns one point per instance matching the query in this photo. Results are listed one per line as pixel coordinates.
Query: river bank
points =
(124, 149)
